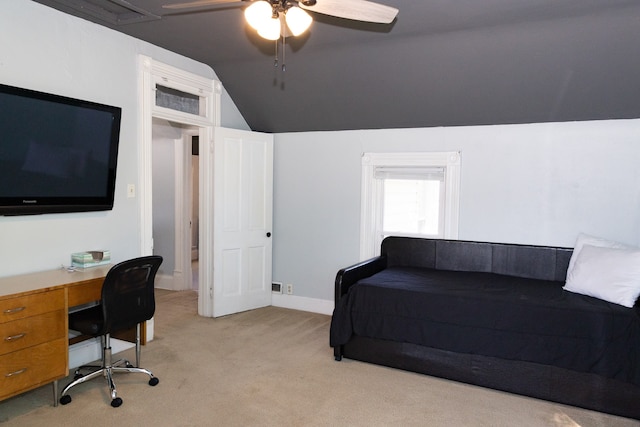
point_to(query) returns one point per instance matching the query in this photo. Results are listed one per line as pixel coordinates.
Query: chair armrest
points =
(350, 275)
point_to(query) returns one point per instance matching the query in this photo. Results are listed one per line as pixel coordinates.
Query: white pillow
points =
(585, 239)
(611, 274)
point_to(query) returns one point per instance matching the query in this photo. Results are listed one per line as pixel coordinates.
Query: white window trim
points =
(372, 192)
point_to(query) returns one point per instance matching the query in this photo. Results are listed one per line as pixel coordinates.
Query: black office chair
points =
(127, 301)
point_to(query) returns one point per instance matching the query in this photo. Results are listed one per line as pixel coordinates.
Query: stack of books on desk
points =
(90, 259)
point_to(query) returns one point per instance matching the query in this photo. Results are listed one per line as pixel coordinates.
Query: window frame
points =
(372, 193)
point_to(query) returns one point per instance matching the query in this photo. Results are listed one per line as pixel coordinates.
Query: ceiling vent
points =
(115, 12)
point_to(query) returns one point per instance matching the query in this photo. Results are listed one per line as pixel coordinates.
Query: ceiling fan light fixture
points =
(298, 20)
(259, 14)
(270, 29)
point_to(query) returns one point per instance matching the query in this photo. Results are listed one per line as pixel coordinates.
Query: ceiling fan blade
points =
(198, 3)
(358, 10)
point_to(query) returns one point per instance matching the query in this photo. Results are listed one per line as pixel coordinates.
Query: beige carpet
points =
(271, 367)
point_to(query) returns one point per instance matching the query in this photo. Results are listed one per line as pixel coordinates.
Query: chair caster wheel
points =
(154, 381)
(116, 402)
(65, 399)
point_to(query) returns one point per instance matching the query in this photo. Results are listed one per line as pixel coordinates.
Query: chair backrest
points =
(128, 293)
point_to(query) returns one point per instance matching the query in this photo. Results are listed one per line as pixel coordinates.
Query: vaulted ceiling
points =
(440, 63)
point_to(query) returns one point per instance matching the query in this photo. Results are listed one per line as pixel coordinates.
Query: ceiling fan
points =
(273, 19)
(358, 10)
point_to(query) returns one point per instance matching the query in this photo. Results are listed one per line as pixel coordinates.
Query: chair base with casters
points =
(127, 300)
(107, 369)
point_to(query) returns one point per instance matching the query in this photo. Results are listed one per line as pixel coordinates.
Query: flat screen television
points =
(57, 154)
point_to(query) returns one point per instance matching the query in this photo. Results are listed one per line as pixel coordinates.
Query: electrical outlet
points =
(289, 289)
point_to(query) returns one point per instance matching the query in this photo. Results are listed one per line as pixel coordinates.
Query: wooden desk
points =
(34, 330)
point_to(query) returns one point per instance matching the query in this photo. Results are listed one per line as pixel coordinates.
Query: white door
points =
(242, 219)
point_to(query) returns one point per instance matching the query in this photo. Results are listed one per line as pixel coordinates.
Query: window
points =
(177, 100)
(408, 194)
(179, 96)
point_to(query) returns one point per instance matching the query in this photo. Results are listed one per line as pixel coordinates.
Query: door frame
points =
(209, 91)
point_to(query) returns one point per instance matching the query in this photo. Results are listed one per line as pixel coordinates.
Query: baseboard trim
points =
(164, 281)
(312, 305)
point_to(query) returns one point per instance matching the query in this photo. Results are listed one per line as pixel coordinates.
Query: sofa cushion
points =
(464, 256)
(533, 262)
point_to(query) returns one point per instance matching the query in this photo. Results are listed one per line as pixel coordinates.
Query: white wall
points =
(46, 50)
(536, 184)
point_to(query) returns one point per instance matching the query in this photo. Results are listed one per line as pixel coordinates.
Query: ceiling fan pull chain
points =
(284, 65)
(275, 59)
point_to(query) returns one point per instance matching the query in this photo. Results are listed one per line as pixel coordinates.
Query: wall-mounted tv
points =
(57, 154)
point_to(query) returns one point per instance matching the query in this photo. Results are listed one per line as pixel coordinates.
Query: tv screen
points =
(57, 154)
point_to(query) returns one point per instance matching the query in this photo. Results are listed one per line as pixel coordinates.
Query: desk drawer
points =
(85, 292)
(32, 367)
(23, 333)
(31, 305)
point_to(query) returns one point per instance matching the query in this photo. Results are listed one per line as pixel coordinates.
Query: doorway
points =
(177, 96)
(188, 101)
(176, 207)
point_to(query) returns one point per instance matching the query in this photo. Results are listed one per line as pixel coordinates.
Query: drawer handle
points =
(15, 337)
(18, 372)
(14, 310)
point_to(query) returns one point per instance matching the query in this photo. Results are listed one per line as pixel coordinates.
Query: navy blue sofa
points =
(489, 314)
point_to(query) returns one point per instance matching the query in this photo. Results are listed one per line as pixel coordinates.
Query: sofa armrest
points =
(350, 275)
(347, 277)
